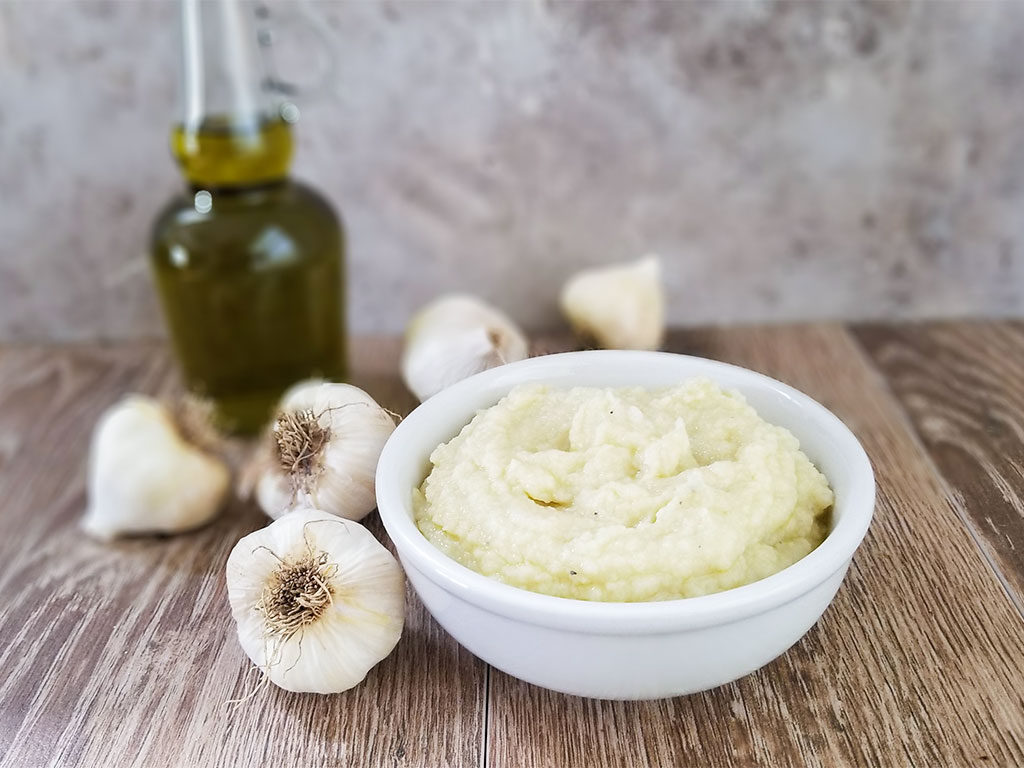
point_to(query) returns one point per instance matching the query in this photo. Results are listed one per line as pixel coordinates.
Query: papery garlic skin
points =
(144, 477)
(620, 306)
(340, 476)
(358, 627)
(454, 337)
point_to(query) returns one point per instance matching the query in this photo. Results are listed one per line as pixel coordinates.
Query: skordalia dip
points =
(623, 494)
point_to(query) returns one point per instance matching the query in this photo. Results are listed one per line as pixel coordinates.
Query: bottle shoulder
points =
(300, 191)
(202, 205)
(291, 213)
(290, 204)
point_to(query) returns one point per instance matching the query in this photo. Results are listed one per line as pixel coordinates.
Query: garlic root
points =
(317, 600)
(620, 306)
(454, 337)
(146, 475)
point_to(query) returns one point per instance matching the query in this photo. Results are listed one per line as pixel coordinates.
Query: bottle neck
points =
(219, 153)
(235, 130)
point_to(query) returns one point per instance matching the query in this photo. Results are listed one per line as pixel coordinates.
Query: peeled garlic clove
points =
(620, 306)
(453, 338)
(318, 601)
(323, 450)
(145, 476)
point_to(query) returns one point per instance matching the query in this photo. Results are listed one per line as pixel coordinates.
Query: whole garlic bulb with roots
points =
(454, 337)
(317, 600)
(620, 306)
(152, 470)
(322, 451)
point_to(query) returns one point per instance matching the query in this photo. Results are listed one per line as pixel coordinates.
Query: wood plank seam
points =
(484, 735)
(928, 460)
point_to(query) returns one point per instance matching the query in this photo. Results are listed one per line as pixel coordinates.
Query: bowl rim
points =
(626, 618)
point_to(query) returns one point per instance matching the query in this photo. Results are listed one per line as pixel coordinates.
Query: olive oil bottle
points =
(248, 263)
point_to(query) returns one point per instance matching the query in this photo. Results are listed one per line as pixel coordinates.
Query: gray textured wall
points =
(788, 161)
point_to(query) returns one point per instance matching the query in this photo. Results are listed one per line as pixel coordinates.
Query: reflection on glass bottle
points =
(248, 263)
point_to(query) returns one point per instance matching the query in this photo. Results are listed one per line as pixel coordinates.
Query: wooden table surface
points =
(125, 654)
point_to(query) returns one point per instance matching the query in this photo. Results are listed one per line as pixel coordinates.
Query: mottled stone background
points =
(787, 160)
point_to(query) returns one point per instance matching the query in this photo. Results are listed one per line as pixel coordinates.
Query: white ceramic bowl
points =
(626, 650)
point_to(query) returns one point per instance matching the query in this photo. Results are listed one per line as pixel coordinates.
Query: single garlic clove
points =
(318, 601)
(620, 306)
(146, 477)
(323, 450)
(454, 337)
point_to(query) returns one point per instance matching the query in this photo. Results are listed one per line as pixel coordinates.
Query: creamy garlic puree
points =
(623, 494)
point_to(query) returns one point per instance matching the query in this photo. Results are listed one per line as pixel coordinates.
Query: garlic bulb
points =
(620, 306)
(454, 337)
(318, 601)
(322, 451)
(148, 474)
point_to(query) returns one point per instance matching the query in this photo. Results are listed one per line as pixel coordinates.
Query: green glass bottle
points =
(248, 263)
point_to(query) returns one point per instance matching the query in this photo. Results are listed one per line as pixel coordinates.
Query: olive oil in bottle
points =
(248, 262)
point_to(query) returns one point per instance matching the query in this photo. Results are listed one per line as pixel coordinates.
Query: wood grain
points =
(919, 661)
(125, 654)
(963, 386)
